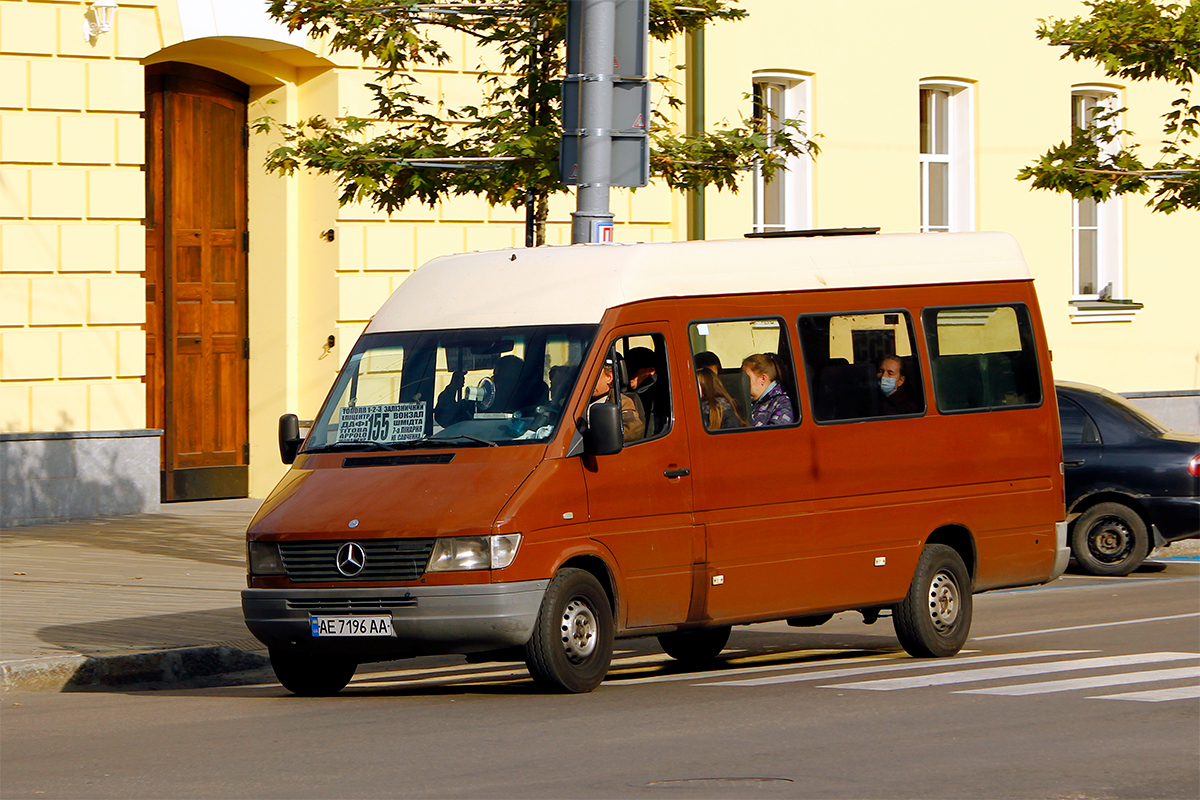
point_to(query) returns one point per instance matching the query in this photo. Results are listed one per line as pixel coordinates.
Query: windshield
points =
(452, 388)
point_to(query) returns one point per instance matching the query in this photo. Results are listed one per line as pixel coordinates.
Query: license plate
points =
(352, 626)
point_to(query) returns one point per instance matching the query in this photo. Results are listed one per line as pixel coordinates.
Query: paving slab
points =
(127, 598)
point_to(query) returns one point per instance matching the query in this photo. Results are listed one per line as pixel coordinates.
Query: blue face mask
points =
(888, 385)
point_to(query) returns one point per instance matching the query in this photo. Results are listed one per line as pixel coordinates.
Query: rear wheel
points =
(696, 646)
(572, 642)
(934, 618)
(312, 675)
(1109, 539)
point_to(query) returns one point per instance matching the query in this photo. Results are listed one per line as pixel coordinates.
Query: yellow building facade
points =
(882, 83)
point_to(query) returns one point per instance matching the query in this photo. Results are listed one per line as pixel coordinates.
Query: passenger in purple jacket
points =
(771, 404)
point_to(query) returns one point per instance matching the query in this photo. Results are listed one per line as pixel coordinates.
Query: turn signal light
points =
(1194, 467)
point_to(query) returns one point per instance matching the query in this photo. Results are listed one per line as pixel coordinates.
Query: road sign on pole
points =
(631, 45)
(629, 163)
(606, 108)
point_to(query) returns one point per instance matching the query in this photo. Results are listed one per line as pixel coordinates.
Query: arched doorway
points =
(196, 310)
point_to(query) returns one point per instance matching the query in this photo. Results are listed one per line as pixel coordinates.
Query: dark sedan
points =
(1132, 484)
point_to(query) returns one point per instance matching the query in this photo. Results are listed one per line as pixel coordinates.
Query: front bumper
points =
(427, 620)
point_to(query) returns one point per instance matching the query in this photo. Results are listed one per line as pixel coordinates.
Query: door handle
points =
(677, 473)
(1073, 463)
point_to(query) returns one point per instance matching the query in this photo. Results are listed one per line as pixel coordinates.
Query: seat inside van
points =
(846, 391)
(737, 384)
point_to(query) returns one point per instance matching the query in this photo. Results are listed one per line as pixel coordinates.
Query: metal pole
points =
(695, 123)
(530, 205)
(595, 142)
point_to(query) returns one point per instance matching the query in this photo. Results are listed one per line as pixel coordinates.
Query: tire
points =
(572, 642)
(934, 618)
(312, 675)
(696, 646)
(1109, 539)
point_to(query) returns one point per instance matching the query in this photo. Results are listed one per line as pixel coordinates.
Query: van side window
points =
(861, 365)
(744, 373)
(1077, 426)
(642, 386)
(982, 357)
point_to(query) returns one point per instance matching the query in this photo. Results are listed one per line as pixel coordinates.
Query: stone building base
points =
(1179, 410)
(64, 474)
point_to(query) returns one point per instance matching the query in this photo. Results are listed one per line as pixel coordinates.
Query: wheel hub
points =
(943, 601)
(578, 631)
(1110, 539)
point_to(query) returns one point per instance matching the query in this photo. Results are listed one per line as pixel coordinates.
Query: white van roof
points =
(571, 284)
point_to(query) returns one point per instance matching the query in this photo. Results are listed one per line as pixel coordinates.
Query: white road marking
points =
(1155, 695)
(1069, 684)
(743, 670)
(1082, 627)
(1014, 671)
(875, 668)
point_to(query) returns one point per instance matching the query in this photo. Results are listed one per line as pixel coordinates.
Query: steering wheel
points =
(538, 415)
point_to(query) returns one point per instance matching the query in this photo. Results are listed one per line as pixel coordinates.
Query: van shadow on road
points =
(637, 659)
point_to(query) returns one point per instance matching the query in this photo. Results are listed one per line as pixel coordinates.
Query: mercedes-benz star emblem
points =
(351, 558)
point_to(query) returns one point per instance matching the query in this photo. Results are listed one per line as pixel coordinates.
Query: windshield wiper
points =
(329, 448)
(441, 441)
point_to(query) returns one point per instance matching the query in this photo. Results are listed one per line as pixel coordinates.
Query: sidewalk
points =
(126, 599)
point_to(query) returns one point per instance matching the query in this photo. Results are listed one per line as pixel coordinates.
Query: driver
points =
(632, 426)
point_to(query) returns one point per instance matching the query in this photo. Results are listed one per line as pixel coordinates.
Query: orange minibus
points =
(530, 453)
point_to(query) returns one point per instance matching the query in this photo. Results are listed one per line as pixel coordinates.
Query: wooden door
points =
(197, 346)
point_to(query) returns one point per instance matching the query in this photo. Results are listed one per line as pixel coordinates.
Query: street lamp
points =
(99, 19)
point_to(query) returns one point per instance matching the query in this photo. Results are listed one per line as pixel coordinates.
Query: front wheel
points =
(572, 642)
(312, 675)
(696, 646)
(934, 618)
(1109, 539)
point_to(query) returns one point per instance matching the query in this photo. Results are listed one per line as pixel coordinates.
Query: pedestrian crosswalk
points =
(1089, 674)
(993, 678)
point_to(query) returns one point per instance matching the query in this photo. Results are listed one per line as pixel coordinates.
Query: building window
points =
(1096, 227)
(785, 201)
(946, 159)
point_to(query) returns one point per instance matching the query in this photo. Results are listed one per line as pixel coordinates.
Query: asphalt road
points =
(1087, 688)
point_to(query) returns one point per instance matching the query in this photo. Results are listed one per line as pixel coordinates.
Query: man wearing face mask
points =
(896, 399)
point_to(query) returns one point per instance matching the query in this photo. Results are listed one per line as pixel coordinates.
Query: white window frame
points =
(959, 157)
(795, 93)
(1107, 263)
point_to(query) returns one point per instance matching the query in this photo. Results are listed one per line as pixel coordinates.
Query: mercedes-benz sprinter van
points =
(551, 448)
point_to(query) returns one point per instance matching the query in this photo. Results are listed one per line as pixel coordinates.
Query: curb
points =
(71, 673)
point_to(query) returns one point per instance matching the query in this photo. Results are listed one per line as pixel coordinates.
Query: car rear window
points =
(1136, 417)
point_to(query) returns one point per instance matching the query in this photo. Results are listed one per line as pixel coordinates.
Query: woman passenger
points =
(716, 405)
(771, 404)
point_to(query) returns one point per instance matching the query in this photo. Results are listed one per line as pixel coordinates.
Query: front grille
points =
(350, 603)
(386, 560)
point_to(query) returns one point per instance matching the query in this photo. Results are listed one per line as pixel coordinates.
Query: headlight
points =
(264, 558)
(473, 552)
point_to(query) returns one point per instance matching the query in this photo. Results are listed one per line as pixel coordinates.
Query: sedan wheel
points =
(1109, 539)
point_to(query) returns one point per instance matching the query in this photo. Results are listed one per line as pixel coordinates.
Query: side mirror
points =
(289, 438)
(604, 435)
